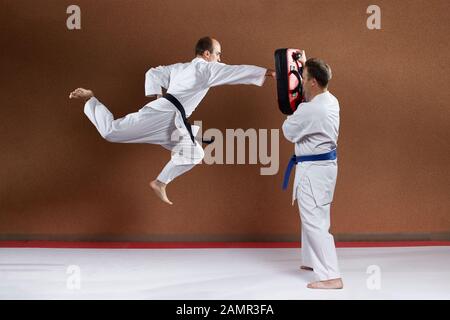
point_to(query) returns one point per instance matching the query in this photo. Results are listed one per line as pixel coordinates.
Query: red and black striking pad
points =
(289, 79)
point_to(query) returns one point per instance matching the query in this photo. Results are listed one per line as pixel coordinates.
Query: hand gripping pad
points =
(289, 79)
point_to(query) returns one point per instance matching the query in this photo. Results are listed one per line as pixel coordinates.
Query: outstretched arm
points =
(221, 74)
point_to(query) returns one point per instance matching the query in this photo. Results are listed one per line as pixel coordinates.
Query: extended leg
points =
(145, 126)
(305, 252)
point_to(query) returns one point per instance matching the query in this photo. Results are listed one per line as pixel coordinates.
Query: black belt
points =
(180, 108)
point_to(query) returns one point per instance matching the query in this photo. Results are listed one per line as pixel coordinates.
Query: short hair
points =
(204, 44)
(319, 70)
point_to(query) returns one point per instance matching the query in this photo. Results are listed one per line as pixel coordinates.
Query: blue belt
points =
(332, 155)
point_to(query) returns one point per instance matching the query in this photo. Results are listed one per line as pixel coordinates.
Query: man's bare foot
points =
(160, 190)
(306, 268)
(327, 284)
(81, 93)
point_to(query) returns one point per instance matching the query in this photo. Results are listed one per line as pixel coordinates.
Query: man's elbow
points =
(288, 132)
(149, 73)
(289, 138)
(285, 129)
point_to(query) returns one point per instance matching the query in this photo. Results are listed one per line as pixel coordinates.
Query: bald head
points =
(208, 49)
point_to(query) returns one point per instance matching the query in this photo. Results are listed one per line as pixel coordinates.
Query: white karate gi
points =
(314, 129)
(159, 122)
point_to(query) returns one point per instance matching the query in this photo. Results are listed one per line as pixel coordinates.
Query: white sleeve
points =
(300, 124)
(220, 74)
(157, 78)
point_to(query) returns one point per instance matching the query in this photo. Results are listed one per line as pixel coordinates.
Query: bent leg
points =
(185, 155)
(172, 171)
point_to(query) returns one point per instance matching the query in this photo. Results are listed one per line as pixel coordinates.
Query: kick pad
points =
(289, 79)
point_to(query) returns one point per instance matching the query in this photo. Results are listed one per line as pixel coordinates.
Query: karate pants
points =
(314, 193)
(152, 126)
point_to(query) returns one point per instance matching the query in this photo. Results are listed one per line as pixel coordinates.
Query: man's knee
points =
(188, 154)
(199, 154)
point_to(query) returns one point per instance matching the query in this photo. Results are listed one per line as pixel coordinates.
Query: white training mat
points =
(210, 274)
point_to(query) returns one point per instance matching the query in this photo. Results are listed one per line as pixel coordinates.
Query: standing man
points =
(164, 120)
(314, 129)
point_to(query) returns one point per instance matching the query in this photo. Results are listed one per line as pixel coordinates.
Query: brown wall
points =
(60, 180)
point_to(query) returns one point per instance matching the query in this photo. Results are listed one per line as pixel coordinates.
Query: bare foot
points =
(327, 284)
(81, 93)
(306, 268)
(160, 190)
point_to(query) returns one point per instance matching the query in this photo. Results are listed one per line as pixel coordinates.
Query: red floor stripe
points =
(204, 245)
